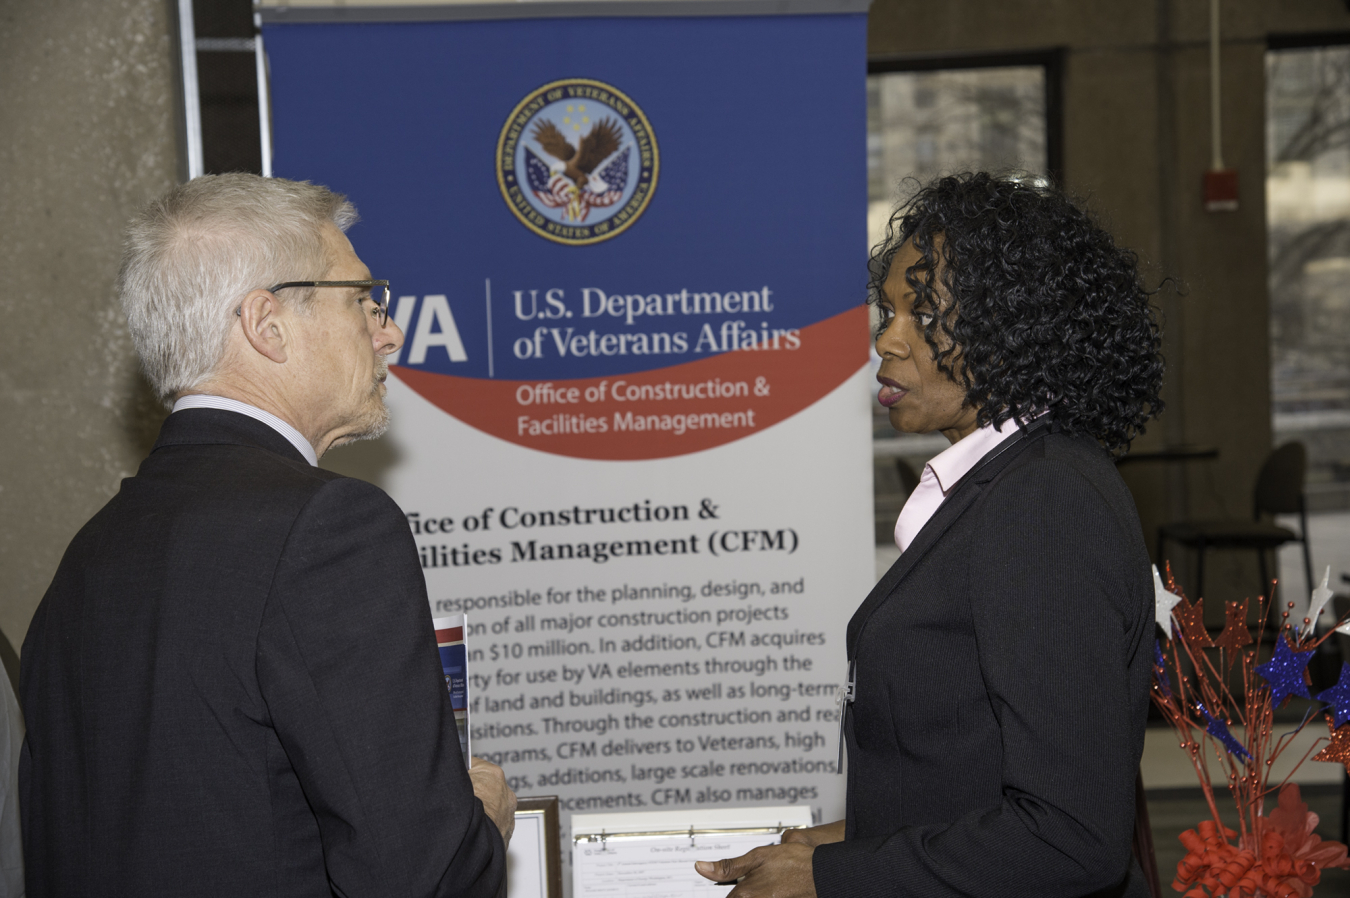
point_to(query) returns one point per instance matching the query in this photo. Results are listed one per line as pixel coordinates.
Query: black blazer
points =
(232, 688)
(1002, 688)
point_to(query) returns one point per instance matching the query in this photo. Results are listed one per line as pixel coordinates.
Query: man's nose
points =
(388, 338)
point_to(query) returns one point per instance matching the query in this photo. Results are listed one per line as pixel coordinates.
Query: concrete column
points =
(87, 135)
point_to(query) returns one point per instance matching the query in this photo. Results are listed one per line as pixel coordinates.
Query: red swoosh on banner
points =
(660, 413)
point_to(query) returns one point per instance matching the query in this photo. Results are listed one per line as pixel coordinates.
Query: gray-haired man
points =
(231, 686)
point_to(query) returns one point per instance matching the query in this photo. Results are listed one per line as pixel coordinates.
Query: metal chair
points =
(1279, 490)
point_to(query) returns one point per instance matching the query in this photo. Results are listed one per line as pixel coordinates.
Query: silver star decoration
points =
(1163, 603)
(1320, 596)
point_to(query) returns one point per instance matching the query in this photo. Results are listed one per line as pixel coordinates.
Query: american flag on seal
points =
(556, 191)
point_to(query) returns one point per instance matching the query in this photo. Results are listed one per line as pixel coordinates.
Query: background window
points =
(1308, 218)
(924, 123)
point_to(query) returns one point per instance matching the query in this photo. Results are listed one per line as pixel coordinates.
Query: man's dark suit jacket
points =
(1003, 671)
(232, 689)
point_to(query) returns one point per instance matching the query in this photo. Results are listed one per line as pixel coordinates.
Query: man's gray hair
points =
(192, 255)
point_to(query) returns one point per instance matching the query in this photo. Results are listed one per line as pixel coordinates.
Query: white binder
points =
(651, 854)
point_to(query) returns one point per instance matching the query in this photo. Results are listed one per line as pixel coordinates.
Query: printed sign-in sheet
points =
(633, 861)
(656, 868)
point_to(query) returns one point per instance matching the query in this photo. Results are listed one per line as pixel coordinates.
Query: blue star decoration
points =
(1338, 697)
(1285, 672)
(1160, 670)
(1219, 730)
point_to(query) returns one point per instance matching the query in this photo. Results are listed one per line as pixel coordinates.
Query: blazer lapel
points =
(966, 491)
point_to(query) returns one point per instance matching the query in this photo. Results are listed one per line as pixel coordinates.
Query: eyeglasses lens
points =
(380, 296)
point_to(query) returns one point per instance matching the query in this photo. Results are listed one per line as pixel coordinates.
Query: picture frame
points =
(534, 857)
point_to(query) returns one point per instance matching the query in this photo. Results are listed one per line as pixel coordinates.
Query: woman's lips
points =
(890, 392)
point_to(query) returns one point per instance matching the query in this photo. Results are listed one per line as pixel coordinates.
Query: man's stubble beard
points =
(375, 427)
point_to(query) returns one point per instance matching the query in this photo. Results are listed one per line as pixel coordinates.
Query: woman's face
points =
(921, 399)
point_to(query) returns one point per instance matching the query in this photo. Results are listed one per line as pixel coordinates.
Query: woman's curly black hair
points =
(1045, 312)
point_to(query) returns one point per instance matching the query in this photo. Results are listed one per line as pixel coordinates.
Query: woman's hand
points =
(815, 835)
(771, 871)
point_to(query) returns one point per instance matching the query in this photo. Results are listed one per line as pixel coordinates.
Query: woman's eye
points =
(924, 318)
(884, 316)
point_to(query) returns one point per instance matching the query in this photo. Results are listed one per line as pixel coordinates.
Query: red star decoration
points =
(1235, 634)
(1192, 620)
(1338, 752)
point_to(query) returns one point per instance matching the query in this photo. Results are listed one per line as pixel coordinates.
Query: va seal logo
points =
(577, 161)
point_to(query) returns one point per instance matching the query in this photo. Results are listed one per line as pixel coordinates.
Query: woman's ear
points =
(264, 325)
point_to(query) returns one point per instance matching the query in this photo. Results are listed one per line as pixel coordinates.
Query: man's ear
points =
(264, 325)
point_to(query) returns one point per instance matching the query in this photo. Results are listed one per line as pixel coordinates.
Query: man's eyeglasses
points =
(379, 293)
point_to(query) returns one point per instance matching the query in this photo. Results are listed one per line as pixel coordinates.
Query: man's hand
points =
(489, 785)
(815, 835)
(771, 871)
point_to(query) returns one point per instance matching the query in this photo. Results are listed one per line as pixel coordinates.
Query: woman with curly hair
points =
(1000, 670)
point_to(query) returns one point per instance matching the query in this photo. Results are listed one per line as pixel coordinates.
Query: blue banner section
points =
(571, 198)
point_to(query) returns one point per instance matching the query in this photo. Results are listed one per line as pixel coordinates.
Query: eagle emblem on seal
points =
(572, 183)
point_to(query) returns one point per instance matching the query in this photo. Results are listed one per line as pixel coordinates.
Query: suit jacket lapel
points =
(966, 491)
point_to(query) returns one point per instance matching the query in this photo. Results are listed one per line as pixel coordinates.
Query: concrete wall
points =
(1136, 143)
(87, 135)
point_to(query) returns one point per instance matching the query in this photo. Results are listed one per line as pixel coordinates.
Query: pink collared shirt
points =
(941, 474)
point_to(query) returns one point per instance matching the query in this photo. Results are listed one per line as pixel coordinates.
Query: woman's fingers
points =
(771, 871)
(728, 870)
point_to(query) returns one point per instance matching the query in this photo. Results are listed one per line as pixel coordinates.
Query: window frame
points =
(1050, 60)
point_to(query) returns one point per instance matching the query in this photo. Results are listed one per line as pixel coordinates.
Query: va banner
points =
(631, 427)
